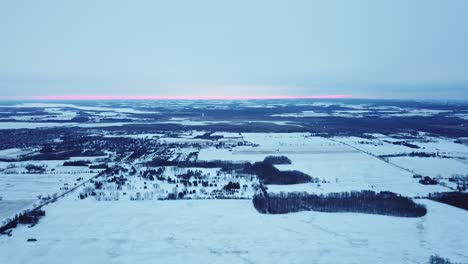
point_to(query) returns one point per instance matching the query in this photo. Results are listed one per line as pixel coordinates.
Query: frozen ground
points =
(228, 231)
(22, 190)
(432, 167)
(95, 230)
(359, 111)
(14, 153)
(29, 186)
(450, 158)
(10, 208)
(342, 167)
(381, 145)
(357, 171)
(31, 125)
(50, 106)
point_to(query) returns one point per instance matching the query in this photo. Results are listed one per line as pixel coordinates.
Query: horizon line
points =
(171, 97)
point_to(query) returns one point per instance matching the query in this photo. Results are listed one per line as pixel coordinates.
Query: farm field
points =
(139, 183)
(220, 231)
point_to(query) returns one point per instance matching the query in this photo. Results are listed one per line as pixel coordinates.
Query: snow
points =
(453, 160)
(432, 167)
(159, 189)
(92, 159)
(378, 146)
(227, 134)
(230, 231)
(54, 114)
(80, 107)
(416, 112)
(342, 167)
(208, 154)
(341, 113)
(135, 136)
(31, 125)
(188, 122)
(29, 186)
(181, 140)
(14, 152)
(359, 111)
(375, 146)
(357, 171)
(20, 190)
(8, 209)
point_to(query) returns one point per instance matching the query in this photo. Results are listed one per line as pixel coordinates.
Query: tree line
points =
(370, 202)
(265, 170)
(30, 217)
(457, 199)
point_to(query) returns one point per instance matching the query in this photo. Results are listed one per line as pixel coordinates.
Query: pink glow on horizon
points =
(183, 97)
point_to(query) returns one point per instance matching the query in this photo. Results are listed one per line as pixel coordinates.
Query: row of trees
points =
(277, 160)
(426, 180)
(32, 168)
(406, 144)
(232, 186)
(412, 154)
(82, 163)
(435, 259)
(457, 199)
(265, 170)
(383, 203)
(269, 174)
(27, 218)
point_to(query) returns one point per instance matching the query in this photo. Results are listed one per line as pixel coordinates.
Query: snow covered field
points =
(359, 111)
(432, 167)
(275, 144)
(382, 145)
(342, 167)
(29, 186)
(121, 221)
(356, 171)
(230, 231)
(9, 208)
(32, 125)
(14, 153)
(20, 190)
(449, 158)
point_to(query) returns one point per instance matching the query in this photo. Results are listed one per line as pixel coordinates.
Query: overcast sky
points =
(384, 49)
